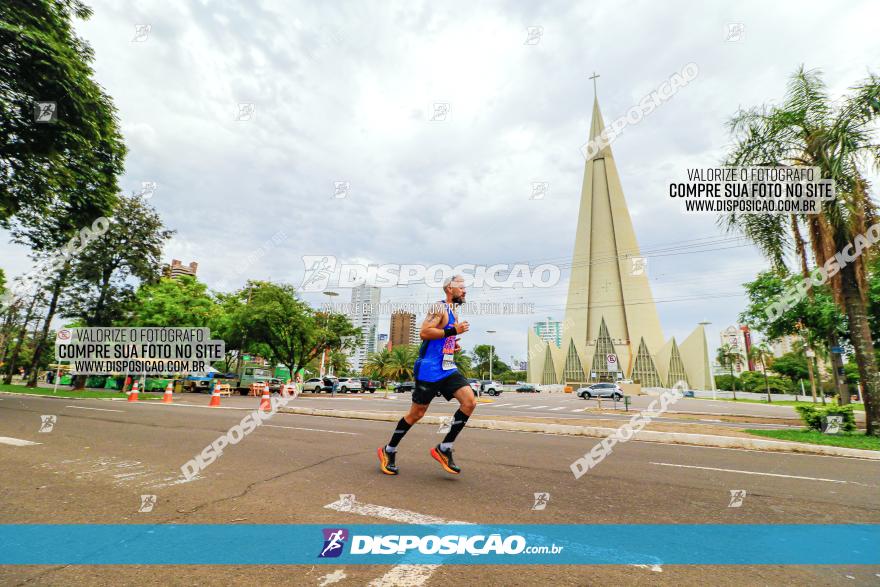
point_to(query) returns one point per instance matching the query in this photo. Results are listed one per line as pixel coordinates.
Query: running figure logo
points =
(47, 423)
(541, 500)
(737, 496)
(319, 268)
(334, 541)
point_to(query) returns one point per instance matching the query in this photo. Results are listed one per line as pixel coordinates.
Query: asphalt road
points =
(102, 456)
(556, 406)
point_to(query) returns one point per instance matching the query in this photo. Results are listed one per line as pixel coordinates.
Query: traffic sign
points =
(611, 360)
(837, 350)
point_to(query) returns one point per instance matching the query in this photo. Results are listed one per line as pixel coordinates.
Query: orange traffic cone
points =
(266, 401)
(215, 397)
(169, 394)
(133, 394)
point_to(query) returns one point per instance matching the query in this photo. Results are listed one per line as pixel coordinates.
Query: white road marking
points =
(399, 575)
(405, 576)
(16, 441)
(96, 409)
(537, 407)
(581, 410)
(311, 429)
(501, 405)
(556, 409)
(655, 568)
(752, 473)
(330, 578)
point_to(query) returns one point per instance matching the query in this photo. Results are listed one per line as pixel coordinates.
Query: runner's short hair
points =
(449, 280)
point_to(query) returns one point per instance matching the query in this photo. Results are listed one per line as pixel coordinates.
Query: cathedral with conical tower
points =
(611, 328)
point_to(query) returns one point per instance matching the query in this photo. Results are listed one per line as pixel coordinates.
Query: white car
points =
(349, 384)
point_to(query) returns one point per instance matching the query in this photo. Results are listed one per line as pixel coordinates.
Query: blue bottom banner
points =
(496, 544)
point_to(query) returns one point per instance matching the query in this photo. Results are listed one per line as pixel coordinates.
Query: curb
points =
(104, 399)
(597, 432)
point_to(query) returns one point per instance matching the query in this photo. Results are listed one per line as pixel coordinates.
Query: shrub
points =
(725, 382)
(812, 416)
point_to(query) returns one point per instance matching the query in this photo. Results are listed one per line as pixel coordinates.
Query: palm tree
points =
(762, 355)
(463, 363)
(841, 141)
(728, 357)
(403, 359)
(377, 365)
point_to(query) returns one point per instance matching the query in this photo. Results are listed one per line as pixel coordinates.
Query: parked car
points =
(405, 386)
(368, 384)
(491, 387)
(315, 385)
(349, 384)
(611, 390)
(528, 388)
(476, 386)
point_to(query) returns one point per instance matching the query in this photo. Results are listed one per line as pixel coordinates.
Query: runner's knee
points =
(415, 413)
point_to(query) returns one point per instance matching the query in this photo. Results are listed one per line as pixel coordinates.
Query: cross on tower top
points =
(593, 77)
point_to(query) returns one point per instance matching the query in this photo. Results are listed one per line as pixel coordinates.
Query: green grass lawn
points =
(66, 392)
(856, 407)
(846, 439)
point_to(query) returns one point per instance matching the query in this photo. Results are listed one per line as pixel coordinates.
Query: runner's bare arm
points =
(432, 327)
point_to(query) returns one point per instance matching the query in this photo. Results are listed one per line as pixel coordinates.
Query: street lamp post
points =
(491, 353)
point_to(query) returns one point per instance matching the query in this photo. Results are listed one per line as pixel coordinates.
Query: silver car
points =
(611, 390)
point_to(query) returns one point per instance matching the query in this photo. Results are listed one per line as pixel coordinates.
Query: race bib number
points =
(448, 354)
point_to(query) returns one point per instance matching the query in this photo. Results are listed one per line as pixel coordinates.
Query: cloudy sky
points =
(345, 92)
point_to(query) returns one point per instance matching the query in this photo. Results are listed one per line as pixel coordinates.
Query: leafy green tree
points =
(840, 138)
(100, 281)
(762, 356)
(290, 329)
(102, 274)
(480, 356)
(377, 365)
(178, 302)
(793, 365)
(73, 160)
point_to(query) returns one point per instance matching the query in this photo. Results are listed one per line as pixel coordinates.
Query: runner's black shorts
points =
(425, 391)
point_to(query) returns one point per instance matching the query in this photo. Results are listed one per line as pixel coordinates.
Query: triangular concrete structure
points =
(610, 307)
(695, 354)
(606, 284)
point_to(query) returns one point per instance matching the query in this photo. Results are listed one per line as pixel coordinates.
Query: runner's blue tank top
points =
(431, 366)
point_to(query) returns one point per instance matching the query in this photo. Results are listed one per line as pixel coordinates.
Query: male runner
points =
(436, 374)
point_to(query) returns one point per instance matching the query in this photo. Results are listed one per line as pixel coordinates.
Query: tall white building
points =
(740, 341)
(364, 314)
(549, 330)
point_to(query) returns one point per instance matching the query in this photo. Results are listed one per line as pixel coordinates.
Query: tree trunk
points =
(812, 378)
(10, 370)
(40, 345)
(837, 367)
(732, 381)
(860, 336)
(766, 382)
